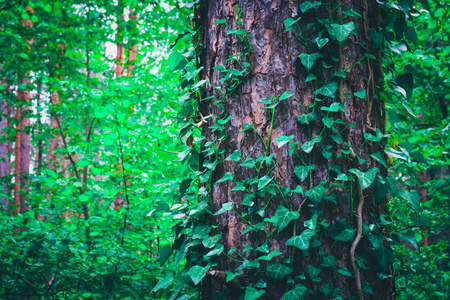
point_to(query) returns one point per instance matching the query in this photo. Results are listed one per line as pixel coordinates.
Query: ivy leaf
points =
(335, 107)
(342, 231)
(309, 145)
(412, 197)
(231, 276)
(211, 241)
(361, 93)
(385, 256)
(328, 261)
(216, 251)
(297, 293)
(263, 181)
(328, 90)
(379, 157)
(286, 95)
(309, 59)
(341, 32)
(303, 171)
(227, 176)
(225, 207)
(252, 293)
(344, 271)
(247, 126)
(320, 42)
(196, 273)
(365, 179)
(314, 273)
(302, 241)
(307, 5)
(316, 194)
(163, 284)
(285, 216)
(289, 22)
(278, 271)
(283, 140)
(236, 156)
(305, 119)
(249, 162)
(223, 21)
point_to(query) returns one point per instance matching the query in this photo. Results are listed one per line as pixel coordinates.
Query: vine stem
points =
(356, 242)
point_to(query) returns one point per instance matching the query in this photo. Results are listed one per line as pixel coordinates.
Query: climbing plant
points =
(251, 236)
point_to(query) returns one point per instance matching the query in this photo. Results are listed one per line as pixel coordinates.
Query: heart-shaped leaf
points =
(302, 241)
(365, 179)
(285, 216)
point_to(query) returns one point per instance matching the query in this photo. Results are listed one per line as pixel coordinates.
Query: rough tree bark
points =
(275, 69)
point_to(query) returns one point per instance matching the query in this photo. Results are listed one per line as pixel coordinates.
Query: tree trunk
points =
(22, 145)
(275, 68)
(4, 148)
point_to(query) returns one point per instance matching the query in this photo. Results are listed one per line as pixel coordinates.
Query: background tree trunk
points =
(22, 145)
(275, 69)
(4, 148)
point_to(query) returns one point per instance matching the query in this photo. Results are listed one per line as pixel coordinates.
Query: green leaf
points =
(247, 126)
(328, 261)
(263, 181)
(305, 119)
(341, 32)
(227, 176)
(101, 112)
(361, 93)
(278, 271)
(342, 231)
(249, 162)
(163, 284)
(365, 179)
(385, 256)
(196, 273)
(211, 241)
(222, 21)
(285, 216)
(303, 171)
(314, 273)
(286, 95)
(297, 293)
(231, 276)
(283, 140)
(252, 293)
(328, 90)
(406, 81)
(344, 271)
(309, 145)
(236, 156)
(379, 157)
(316, 194)
(309, 59)
(225, 207)
(335, 107)
(307, 5)
(164, 254)
(303, 240)
(412, 197)
(176, 61)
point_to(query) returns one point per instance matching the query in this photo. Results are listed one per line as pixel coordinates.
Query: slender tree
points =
(293, 97)
(22, 143)
(4, 145)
